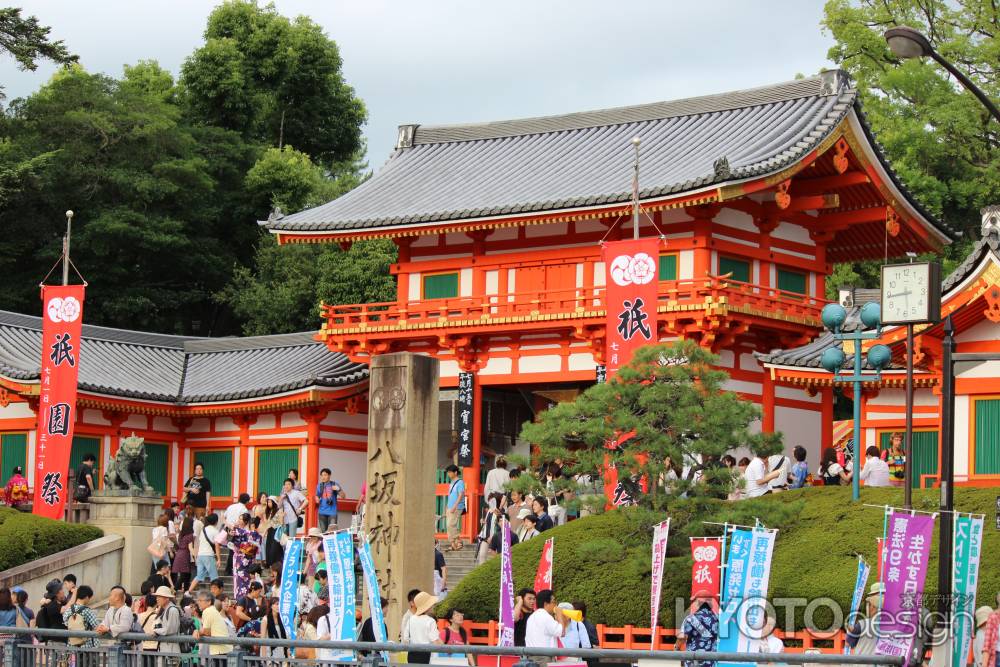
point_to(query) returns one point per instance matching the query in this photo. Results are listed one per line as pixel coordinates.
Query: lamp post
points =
(879, 356)
(908, 43)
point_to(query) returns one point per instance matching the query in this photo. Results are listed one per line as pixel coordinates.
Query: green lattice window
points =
(218, 465)
(441, 286)
(987, 460)
(739, 268)
(792, 281)
(925, 453)
(13, 453)
(272, 469)
(668, 267)
(157, 466)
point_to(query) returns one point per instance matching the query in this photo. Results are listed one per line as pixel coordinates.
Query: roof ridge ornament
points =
(991, 220)
(833, 81)
(406, 136)
(275, 214)
(722, 169)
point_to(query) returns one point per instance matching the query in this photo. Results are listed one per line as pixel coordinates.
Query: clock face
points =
(908, 293)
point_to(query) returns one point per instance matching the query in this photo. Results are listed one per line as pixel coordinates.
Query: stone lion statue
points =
(127, 469)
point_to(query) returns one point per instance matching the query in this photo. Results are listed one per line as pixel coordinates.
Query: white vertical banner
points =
(339, 550)
(660, 535)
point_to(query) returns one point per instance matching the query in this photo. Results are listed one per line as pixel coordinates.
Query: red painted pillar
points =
(826, 419)
(313, 419)
(767, 402)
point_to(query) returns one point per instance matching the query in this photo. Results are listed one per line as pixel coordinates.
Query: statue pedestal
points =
(133, 516)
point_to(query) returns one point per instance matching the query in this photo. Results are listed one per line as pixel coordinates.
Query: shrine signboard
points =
(402, 459)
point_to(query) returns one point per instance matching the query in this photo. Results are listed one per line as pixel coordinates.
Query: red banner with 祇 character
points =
(631, 270)
(706, 571)
(62, 321)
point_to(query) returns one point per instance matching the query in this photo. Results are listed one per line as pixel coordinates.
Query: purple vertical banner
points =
(907, 549)
(506, 635)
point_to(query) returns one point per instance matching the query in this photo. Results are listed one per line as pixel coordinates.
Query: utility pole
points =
(65, 257)
(635, 190)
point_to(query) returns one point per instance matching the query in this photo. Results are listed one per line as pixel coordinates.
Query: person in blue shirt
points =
(326, 500)
(700, 630)
(456, 507)
(800, 469)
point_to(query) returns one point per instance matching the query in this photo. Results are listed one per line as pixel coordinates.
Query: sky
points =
(462, 61)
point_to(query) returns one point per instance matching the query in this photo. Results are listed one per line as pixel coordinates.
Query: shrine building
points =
(754, 194)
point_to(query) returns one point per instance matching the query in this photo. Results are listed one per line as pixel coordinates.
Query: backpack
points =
(76, 623)
(187, 629)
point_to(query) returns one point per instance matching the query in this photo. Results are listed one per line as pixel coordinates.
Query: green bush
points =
(26, 537)
(605, 560)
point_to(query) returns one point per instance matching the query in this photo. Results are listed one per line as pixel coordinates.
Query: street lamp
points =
(908, 43)
(833, 358)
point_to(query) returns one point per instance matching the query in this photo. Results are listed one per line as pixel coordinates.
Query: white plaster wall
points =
(414, 287)
(348, 421)
(497, 366)
(548, 363)
(348, 468)
(736, 219)
(685, 265)
(164, 424)
(726, 358)
(511, 283)
(579, 275)
(790, 232)
(290, 419)
(781, 391)
(465, 282)
(449, 368)
(492, 282)
(743, 386)
(551, 229)
(225, 424)
(986, 369)
(94, 417)
(264, 421)
(922, 397)
(582, 362)
(199, 425)
(801, 427)
(134, 421)
(748, 362)
(17, 411)
(961, 437)
(984, 330)
(30, 472)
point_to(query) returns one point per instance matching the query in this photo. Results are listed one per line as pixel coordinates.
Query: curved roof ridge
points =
(95, 332)
(831, 82)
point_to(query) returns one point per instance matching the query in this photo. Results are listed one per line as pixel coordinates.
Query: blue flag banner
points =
(374, 596)
(860, 582)
(748, 573)
(339, 550)
(965, 581)
(289, 599)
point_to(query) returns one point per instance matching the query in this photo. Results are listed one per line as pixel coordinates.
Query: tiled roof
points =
(181, 369)
(808, 356)
(585, 159)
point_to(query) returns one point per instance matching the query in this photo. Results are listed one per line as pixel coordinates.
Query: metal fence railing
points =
(32, 647)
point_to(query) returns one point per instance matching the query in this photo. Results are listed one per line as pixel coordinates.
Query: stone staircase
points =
(459, 563)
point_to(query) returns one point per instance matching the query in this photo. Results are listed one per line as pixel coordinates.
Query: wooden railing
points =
(574, 302)
(632, 637)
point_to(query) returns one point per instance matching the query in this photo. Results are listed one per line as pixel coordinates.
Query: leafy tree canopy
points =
(940, 139)
(28, 41)
(671, 399)
(275, 81)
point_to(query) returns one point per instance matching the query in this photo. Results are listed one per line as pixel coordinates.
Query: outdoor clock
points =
(911, 293)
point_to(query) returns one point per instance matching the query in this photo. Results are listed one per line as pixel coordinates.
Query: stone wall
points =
(97, 564)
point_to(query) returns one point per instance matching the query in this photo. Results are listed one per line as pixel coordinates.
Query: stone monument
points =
(402, 459)
(128, 506)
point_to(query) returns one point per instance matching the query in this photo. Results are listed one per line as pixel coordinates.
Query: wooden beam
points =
(847, 218)
(826, 183)
(806, 203)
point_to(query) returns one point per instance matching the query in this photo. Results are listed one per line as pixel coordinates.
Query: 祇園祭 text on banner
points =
(745, 593)
(505, 637)
(968, 547)
(706, 552)
(374, 597)
(289, 589)
(632, 269)
(660, 535)
(907, 548)
(339, 550)
(62, 322)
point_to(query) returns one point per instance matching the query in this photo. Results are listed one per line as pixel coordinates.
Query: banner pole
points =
(66, 239)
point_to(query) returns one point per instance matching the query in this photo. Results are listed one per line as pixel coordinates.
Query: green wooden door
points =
(440, 286)
(987, 437)
(157, 465)
(740, 269)
(218, 464)
(82, 446)
(925, 453)
(272, 469)
(13, 453)
(668, 267)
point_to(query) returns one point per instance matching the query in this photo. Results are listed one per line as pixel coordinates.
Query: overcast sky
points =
(457, 61)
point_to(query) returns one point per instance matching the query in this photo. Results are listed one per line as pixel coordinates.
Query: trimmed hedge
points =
(26, 537)
(605, 560)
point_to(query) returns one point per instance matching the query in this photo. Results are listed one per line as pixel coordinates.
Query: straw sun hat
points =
(423, 601)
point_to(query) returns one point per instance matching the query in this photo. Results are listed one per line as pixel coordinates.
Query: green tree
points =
(28, 41)
(275, 81)
(119, 153)
(939, 138)
(670, 399)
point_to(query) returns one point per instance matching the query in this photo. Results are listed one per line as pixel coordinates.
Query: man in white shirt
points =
(545, 625)
(496, 480)
(118, 618)
(758, 479)
(876, 471)
(236, 510)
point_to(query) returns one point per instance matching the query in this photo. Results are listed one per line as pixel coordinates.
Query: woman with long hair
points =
(269, 523)
(271, 627)
(181, 567)
(309, 632)
(159, 545)
(833, 473)
(245, 543)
